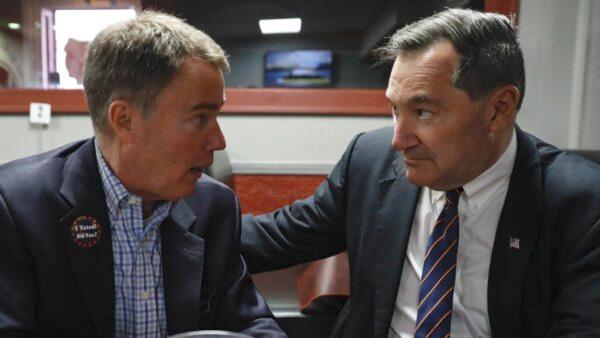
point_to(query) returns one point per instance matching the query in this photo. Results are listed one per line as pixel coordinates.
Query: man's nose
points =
(404, 136)
(217, 139)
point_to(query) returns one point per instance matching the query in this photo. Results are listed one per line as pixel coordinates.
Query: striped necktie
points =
(436, 289)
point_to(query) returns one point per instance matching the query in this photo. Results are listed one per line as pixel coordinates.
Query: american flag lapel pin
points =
(513, 243)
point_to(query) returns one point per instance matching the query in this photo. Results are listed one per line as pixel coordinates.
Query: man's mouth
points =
(414, 156)
(197, 170)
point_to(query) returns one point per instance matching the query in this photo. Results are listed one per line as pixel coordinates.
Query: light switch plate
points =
(39, 113)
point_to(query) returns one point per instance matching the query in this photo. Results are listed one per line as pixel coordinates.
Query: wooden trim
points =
(63, 101)
(370, 102)
(506, 7)
(307, 101)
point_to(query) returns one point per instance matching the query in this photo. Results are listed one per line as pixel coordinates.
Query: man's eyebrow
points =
(207, 105)
(418, 99)
(422, 99)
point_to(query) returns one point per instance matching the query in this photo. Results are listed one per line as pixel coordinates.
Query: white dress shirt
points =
(479, 210)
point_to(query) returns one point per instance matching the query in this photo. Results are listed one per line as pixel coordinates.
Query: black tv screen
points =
(298, 68)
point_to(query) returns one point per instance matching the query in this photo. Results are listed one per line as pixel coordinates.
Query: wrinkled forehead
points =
(393, 89)
(427, 70)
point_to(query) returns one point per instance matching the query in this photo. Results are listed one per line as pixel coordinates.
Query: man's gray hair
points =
(490, 55)
(135, 59)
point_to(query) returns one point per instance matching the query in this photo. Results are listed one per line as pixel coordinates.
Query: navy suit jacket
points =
(51, 287)
(548, 286)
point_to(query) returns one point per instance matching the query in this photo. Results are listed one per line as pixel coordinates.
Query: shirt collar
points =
(479, 190)
(114, 189)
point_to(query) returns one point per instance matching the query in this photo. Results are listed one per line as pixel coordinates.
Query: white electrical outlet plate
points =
(39, 113)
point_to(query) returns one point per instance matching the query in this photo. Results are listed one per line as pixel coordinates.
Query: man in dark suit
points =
(465, 225)
(121, 235)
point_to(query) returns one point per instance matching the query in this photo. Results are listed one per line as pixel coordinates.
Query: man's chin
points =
(185, 192)
(182, 192)
(437, 185)
(416, 179)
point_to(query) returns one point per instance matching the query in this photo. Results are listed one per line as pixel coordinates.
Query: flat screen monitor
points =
(298, 68)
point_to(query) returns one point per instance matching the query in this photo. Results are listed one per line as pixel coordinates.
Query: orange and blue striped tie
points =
(436, 289)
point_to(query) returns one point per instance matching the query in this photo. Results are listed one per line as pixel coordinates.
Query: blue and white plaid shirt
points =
(139, 292)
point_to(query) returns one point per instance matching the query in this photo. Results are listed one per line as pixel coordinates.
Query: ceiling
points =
(365, 23)
(238, 19)
(10, 11)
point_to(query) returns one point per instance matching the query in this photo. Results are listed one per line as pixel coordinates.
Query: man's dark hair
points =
(490, 55)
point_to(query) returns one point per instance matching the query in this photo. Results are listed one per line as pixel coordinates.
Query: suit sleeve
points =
(576, 307)
(17, 290)
(306, 230)
(243, 309)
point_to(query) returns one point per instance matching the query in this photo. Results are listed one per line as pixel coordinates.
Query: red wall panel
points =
(263, 193)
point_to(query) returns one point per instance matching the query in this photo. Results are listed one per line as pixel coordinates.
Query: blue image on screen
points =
(298, 68)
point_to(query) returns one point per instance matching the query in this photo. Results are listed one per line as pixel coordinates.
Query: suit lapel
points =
(183, 260)
(89, 251)
(516, 236)
(394, 217)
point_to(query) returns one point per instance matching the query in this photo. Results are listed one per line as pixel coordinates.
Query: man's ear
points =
(121, 114)
(502, 107)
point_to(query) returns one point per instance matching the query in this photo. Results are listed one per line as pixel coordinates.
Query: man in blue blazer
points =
(515, 251)
(121, 235)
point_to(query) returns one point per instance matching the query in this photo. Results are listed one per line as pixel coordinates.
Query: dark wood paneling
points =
(63, 101)
(239, 101)
(307, 101)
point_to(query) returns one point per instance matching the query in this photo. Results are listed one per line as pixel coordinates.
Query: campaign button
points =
(86, 231)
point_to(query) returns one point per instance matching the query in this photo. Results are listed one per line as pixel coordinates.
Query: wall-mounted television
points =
(298, 68)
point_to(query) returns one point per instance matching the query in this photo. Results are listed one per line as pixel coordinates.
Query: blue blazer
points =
(549, 286)
(52, 287)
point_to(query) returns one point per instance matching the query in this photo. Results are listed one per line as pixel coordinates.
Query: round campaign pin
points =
(86, 231)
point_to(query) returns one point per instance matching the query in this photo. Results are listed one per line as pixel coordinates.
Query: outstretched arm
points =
(306, 230)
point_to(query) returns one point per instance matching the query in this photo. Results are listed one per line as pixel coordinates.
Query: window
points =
(73, 31)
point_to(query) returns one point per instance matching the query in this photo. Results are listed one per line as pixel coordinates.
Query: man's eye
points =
(424, 114)
(200, 120)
